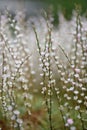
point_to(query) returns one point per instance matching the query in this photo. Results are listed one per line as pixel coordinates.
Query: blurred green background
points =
(66, 6)
(33, 7)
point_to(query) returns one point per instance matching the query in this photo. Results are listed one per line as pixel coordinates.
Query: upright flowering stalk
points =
(76, 73)
(78, 65)
(47, 74)
(14, 59)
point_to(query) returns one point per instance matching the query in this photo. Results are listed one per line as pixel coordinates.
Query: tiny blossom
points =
(27, 104)
(64, 87)
(62, 79)
(85, 97)
(73, 58)
(72, 128)
(73, 83)
(76, 75)
(53, 81)
(4, 103)
(10, 108)
(58, 92)
(66, 104)
(19, 121)
(49, 92)
(57, 62)
(16, 112)
(46, 63)
(47, 54)
(85, 103)
(13, 117)
(53, 54)
(41, 83)
(80, 80)
(79, 101)
(41, 65)
(71, 89)
(82, 94)
(25, 87)
(67, 90)
(34, 80)
(60, 66)
(56, 57)
(33, 72)
(15, 125)
(84, 89)
(42, 53)
(44, 69)
(41, 74)
(79, 117)
(20, 35)
(53, 48)
(65, 81)
(75, 97)
(70, 121)
(77, 70)
(65, 95)
(76, 92)
(68, 98)
(63, 73)
(66, 124)
(77, 107)
(83, 58)
(47, 74)
(25, 95)
(59, 71)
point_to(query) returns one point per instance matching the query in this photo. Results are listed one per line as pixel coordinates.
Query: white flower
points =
(79, 117)
(82, 94)
(79, 101)
(41, 83)
(75, 97)
(47, 64)
(72, 128)
(13, 117)
(68, 98)
(76, 92)
(41, 74)
(19, 121)
(32, 72)
(77, 107)
(9, 107)
(77, 70)
(42, 53)
(70, 121)
(76, 75)
(66, 104)
(85, 97)
(16, 112)
(71, 89)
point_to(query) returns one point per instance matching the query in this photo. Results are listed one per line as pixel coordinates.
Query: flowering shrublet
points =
(15, 78)
(62, 80)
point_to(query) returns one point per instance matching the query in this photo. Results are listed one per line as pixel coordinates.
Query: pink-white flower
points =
(70, 121)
